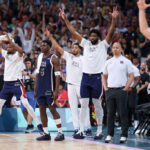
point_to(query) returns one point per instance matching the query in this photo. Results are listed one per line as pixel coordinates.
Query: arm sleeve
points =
(105, 71)
(4, 53)
(136, 72)
(106, 44)
(66, 55)
(129, 67)
(83, 42)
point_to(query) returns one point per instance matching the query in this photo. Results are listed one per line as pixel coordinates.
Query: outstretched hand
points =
(62, 13)
(142, 5)
(7, 36)
(115, 13)
(47, 32)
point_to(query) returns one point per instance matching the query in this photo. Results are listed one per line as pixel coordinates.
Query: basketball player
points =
(145, 30)
(12, 74)
(95, 54)
(74, 75)
(45, 91)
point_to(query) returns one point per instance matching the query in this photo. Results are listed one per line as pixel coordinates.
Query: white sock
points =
(60, 130)
(29, 109)
(2, 102)
(58, 122)
(98, 113)
(46, 130)
(83, 112)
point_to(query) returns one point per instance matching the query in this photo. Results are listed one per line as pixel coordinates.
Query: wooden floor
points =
(28, 142)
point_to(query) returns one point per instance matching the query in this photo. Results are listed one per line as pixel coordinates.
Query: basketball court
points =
(21, 141)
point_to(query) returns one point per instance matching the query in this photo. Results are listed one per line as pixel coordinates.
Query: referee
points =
(117, 77)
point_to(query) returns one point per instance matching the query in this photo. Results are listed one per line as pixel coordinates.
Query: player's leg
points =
(44, 119)
(2, 102)
(73, 102)
(4, 95)
(32, 102)
(96, 94)
(87, 123)
(85, 94)
(20, 94)
(28, 118)
(57, 119)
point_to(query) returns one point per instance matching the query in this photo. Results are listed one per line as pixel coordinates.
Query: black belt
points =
(116, 88)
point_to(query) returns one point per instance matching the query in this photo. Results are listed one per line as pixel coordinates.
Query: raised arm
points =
(110, 33)
(77, 36)
(56, 64)
(15, 46)
(145, 30)
(54, 43)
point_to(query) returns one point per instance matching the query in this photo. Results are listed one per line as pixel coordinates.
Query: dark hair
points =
(76, 43)
(47, 42)
(96, 32)
(69, 41)
(28, 59)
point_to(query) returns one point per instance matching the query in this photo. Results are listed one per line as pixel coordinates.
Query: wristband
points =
(57, 73)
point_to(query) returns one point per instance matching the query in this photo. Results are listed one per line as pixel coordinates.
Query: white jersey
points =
(73, 68)
(94, 56)
(136, 73)
(13, 66)
(117, 70)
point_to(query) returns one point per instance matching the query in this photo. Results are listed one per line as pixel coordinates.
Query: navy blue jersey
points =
(45, 77)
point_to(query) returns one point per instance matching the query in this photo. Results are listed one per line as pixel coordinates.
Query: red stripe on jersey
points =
(23, 91)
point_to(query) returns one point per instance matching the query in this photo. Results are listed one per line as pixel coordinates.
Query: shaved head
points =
(117, 49)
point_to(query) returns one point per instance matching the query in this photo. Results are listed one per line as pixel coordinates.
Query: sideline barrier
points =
(12, 119)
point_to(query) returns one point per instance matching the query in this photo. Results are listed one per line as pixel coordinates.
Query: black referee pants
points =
(116, 99)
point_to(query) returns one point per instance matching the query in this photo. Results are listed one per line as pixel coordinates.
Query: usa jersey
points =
(45, 77)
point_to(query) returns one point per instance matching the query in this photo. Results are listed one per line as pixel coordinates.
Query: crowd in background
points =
(26, 21)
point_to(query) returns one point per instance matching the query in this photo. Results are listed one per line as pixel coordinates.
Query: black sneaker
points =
(75, 131)
(98, 136)
(59, 137)
(88, 133)
(45, 137)
(29, 129)
(40, 129)
(79, 135)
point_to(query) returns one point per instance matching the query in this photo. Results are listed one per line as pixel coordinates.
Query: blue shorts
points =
(12, 88)
(91, 86)
(31, 101)
(45, 100)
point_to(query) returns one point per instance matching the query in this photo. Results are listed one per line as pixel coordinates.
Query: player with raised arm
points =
(46, 91)
(73, 79)
(12, 78)
(145, 30)
(95, 55)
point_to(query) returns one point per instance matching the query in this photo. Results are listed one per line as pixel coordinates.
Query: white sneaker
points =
(123, 139)
(137, 132)
(108, 139)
